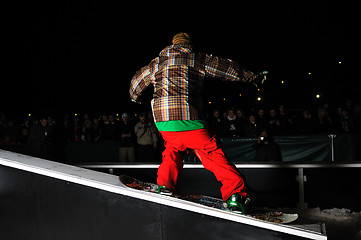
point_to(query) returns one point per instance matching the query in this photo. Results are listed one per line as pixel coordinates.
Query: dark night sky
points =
(70, 56)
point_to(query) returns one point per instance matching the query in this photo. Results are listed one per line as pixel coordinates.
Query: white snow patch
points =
(343, 215)
(341, 223)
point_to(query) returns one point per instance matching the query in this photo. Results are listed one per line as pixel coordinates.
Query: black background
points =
(79, 56)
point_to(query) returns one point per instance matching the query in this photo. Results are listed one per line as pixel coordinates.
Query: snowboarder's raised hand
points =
(260, 78)
(134, 101)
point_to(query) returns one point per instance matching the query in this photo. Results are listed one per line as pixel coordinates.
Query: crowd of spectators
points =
(279, 121)
(44, 137)
(138, 139)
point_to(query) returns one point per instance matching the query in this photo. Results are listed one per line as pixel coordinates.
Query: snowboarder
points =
(177, 76)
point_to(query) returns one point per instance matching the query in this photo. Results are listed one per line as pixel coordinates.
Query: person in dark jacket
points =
(41, 139)
(252, 128)
(127, 140)
(216, 124)
(267, 150)
(232, 126)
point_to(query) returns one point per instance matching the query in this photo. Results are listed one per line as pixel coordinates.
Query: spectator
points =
(240, 122)
(286, 122)
(337, 118)
(324, 123)
(231, 125)
(216, 124)
(114, 129)
(11, 133)
(252, 129)
(267, 150)
(349, 105)
(24, 135)
(108, 129)
(262, 120)
(77, 129)
(356, 116)
(346, 122)
(96, 129)
(51, 121)
(146, 139)
(26, 124)
(307, 123)
(24, 132)
(67, 132)
(86, 120)
(41, 139)
(127, 140)
(87, 133)
(274, 123)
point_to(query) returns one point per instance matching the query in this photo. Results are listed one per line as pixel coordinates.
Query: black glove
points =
(134, 101)
(260, 78)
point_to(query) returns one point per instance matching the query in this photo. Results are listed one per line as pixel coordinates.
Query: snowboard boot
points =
(239, 204)
(164, 191)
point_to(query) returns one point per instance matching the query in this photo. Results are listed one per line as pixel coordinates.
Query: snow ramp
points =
(42, 199)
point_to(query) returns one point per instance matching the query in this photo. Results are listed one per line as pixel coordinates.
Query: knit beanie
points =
(182, 38)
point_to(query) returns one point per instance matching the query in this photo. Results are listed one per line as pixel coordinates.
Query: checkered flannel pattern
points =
(177, 76)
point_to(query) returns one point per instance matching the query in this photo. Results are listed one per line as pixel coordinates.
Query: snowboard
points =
(274, 217)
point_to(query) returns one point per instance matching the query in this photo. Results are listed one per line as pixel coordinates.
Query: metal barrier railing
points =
(300, 178)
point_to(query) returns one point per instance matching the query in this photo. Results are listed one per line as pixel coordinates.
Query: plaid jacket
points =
(177, 76)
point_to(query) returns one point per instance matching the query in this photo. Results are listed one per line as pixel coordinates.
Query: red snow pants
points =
(211, 156)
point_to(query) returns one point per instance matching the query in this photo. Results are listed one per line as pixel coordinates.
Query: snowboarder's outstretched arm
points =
(230, 71)
(226, 70)
(141, 81)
